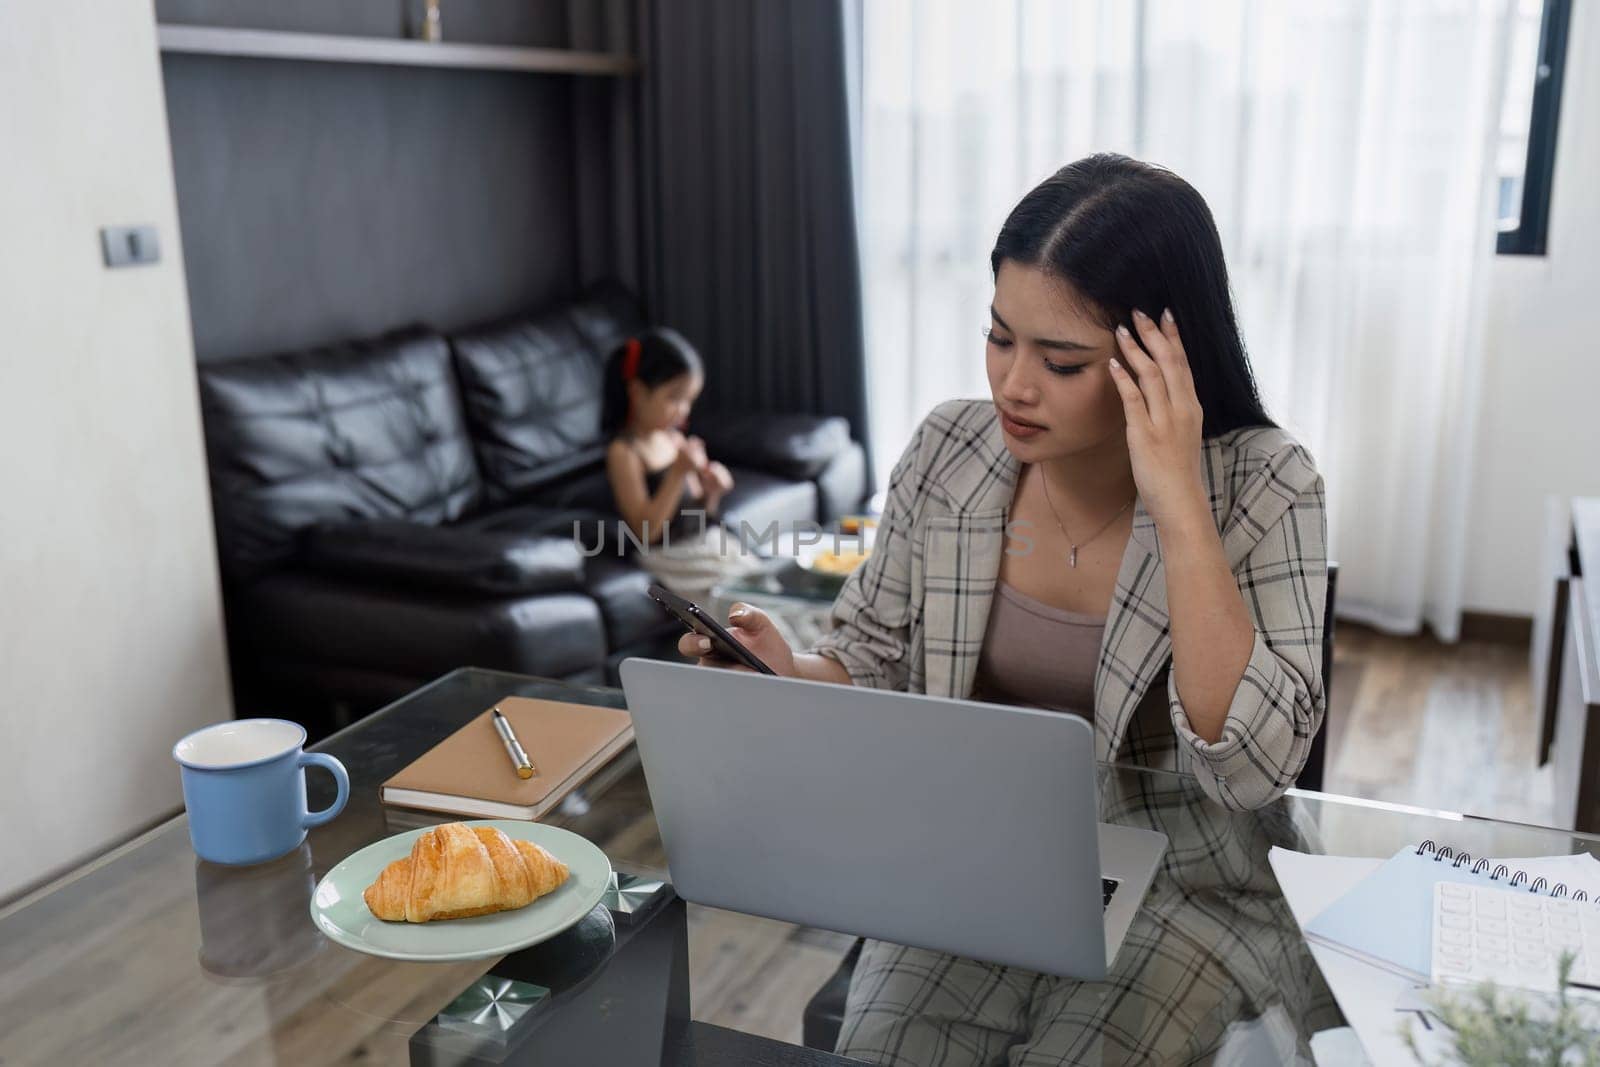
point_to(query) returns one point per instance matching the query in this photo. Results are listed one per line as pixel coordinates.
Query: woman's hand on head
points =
(1164, 419)
(753, 629)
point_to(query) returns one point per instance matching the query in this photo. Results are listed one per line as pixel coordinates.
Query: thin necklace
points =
(1072, 557)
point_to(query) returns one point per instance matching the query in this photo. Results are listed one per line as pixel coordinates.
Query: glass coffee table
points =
(147, 955)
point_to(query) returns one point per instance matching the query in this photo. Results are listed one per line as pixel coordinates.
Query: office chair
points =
(1316, 760)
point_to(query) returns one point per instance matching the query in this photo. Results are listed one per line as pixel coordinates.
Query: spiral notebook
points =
(1387, 919)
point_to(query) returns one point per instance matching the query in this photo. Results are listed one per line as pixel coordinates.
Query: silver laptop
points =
(942, 824)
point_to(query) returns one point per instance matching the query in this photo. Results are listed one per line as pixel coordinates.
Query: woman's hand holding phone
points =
(752, 628)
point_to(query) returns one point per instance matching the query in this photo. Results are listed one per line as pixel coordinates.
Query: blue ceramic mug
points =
(244, 783)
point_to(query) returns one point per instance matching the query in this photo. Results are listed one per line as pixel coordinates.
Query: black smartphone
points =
(698, 621)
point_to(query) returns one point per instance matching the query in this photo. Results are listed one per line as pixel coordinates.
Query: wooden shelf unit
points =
(396, 51)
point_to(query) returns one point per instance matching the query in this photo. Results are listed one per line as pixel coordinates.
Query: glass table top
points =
(148, 955)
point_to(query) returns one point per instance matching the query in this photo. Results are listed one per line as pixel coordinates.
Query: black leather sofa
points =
(391, 509)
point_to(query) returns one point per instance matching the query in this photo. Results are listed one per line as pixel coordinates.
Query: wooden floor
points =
(1439, 726)
(1414, 722)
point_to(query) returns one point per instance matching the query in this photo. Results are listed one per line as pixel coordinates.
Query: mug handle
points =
(340, 778)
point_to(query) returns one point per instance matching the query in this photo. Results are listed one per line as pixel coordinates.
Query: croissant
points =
(456, 871)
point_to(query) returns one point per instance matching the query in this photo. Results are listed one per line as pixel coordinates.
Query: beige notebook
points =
(469, 772)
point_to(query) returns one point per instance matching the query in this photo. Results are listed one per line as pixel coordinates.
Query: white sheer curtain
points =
(1346, 150)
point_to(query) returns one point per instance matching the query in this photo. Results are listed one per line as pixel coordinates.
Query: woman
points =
(1120, 531)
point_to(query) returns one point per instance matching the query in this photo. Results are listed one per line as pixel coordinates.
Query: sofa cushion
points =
(620, 587)
(592, 533)
(761, 499)
(537, 520)
(587, 488)
(842, 485)
(532, 393)
(319, 619)
(616, 583)
(449, 559)
(791, 446)
(367, 430)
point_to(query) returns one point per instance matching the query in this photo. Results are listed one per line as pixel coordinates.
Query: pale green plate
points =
(341, 914)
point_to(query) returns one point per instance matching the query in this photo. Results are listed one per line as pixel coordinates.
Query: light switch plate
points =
(127, 246)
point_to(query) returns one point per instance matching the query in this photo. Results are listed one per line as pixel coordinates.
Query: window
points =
(1527, 149)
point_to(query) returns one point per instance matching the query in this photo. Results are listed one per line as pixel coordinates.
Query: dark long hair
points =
(1127, 235)
(663, 356)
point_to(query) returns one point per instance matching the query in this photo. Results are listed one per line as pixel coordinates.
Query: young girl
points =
(667, 489)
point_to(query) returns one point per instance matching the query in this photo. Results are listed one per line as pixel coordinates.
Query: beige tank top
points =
(1037, 655)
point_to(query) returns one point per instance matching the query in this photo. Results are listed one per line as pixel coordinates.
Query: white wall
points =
(1540, 427)
(110, 626)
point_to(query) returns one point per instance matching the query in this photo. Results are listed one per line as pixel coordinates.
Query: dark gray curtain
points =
(606, 148)
(749, 229)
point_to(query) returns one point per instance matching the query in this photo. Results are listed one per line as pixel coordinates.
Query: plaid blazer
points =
(912, 617)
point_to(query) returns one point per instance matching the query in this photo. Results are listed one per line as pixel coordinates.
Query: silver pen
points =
(519, 759)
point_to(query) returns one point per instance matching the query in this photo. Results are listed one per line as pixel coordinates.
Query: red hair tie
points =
(630, 362)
